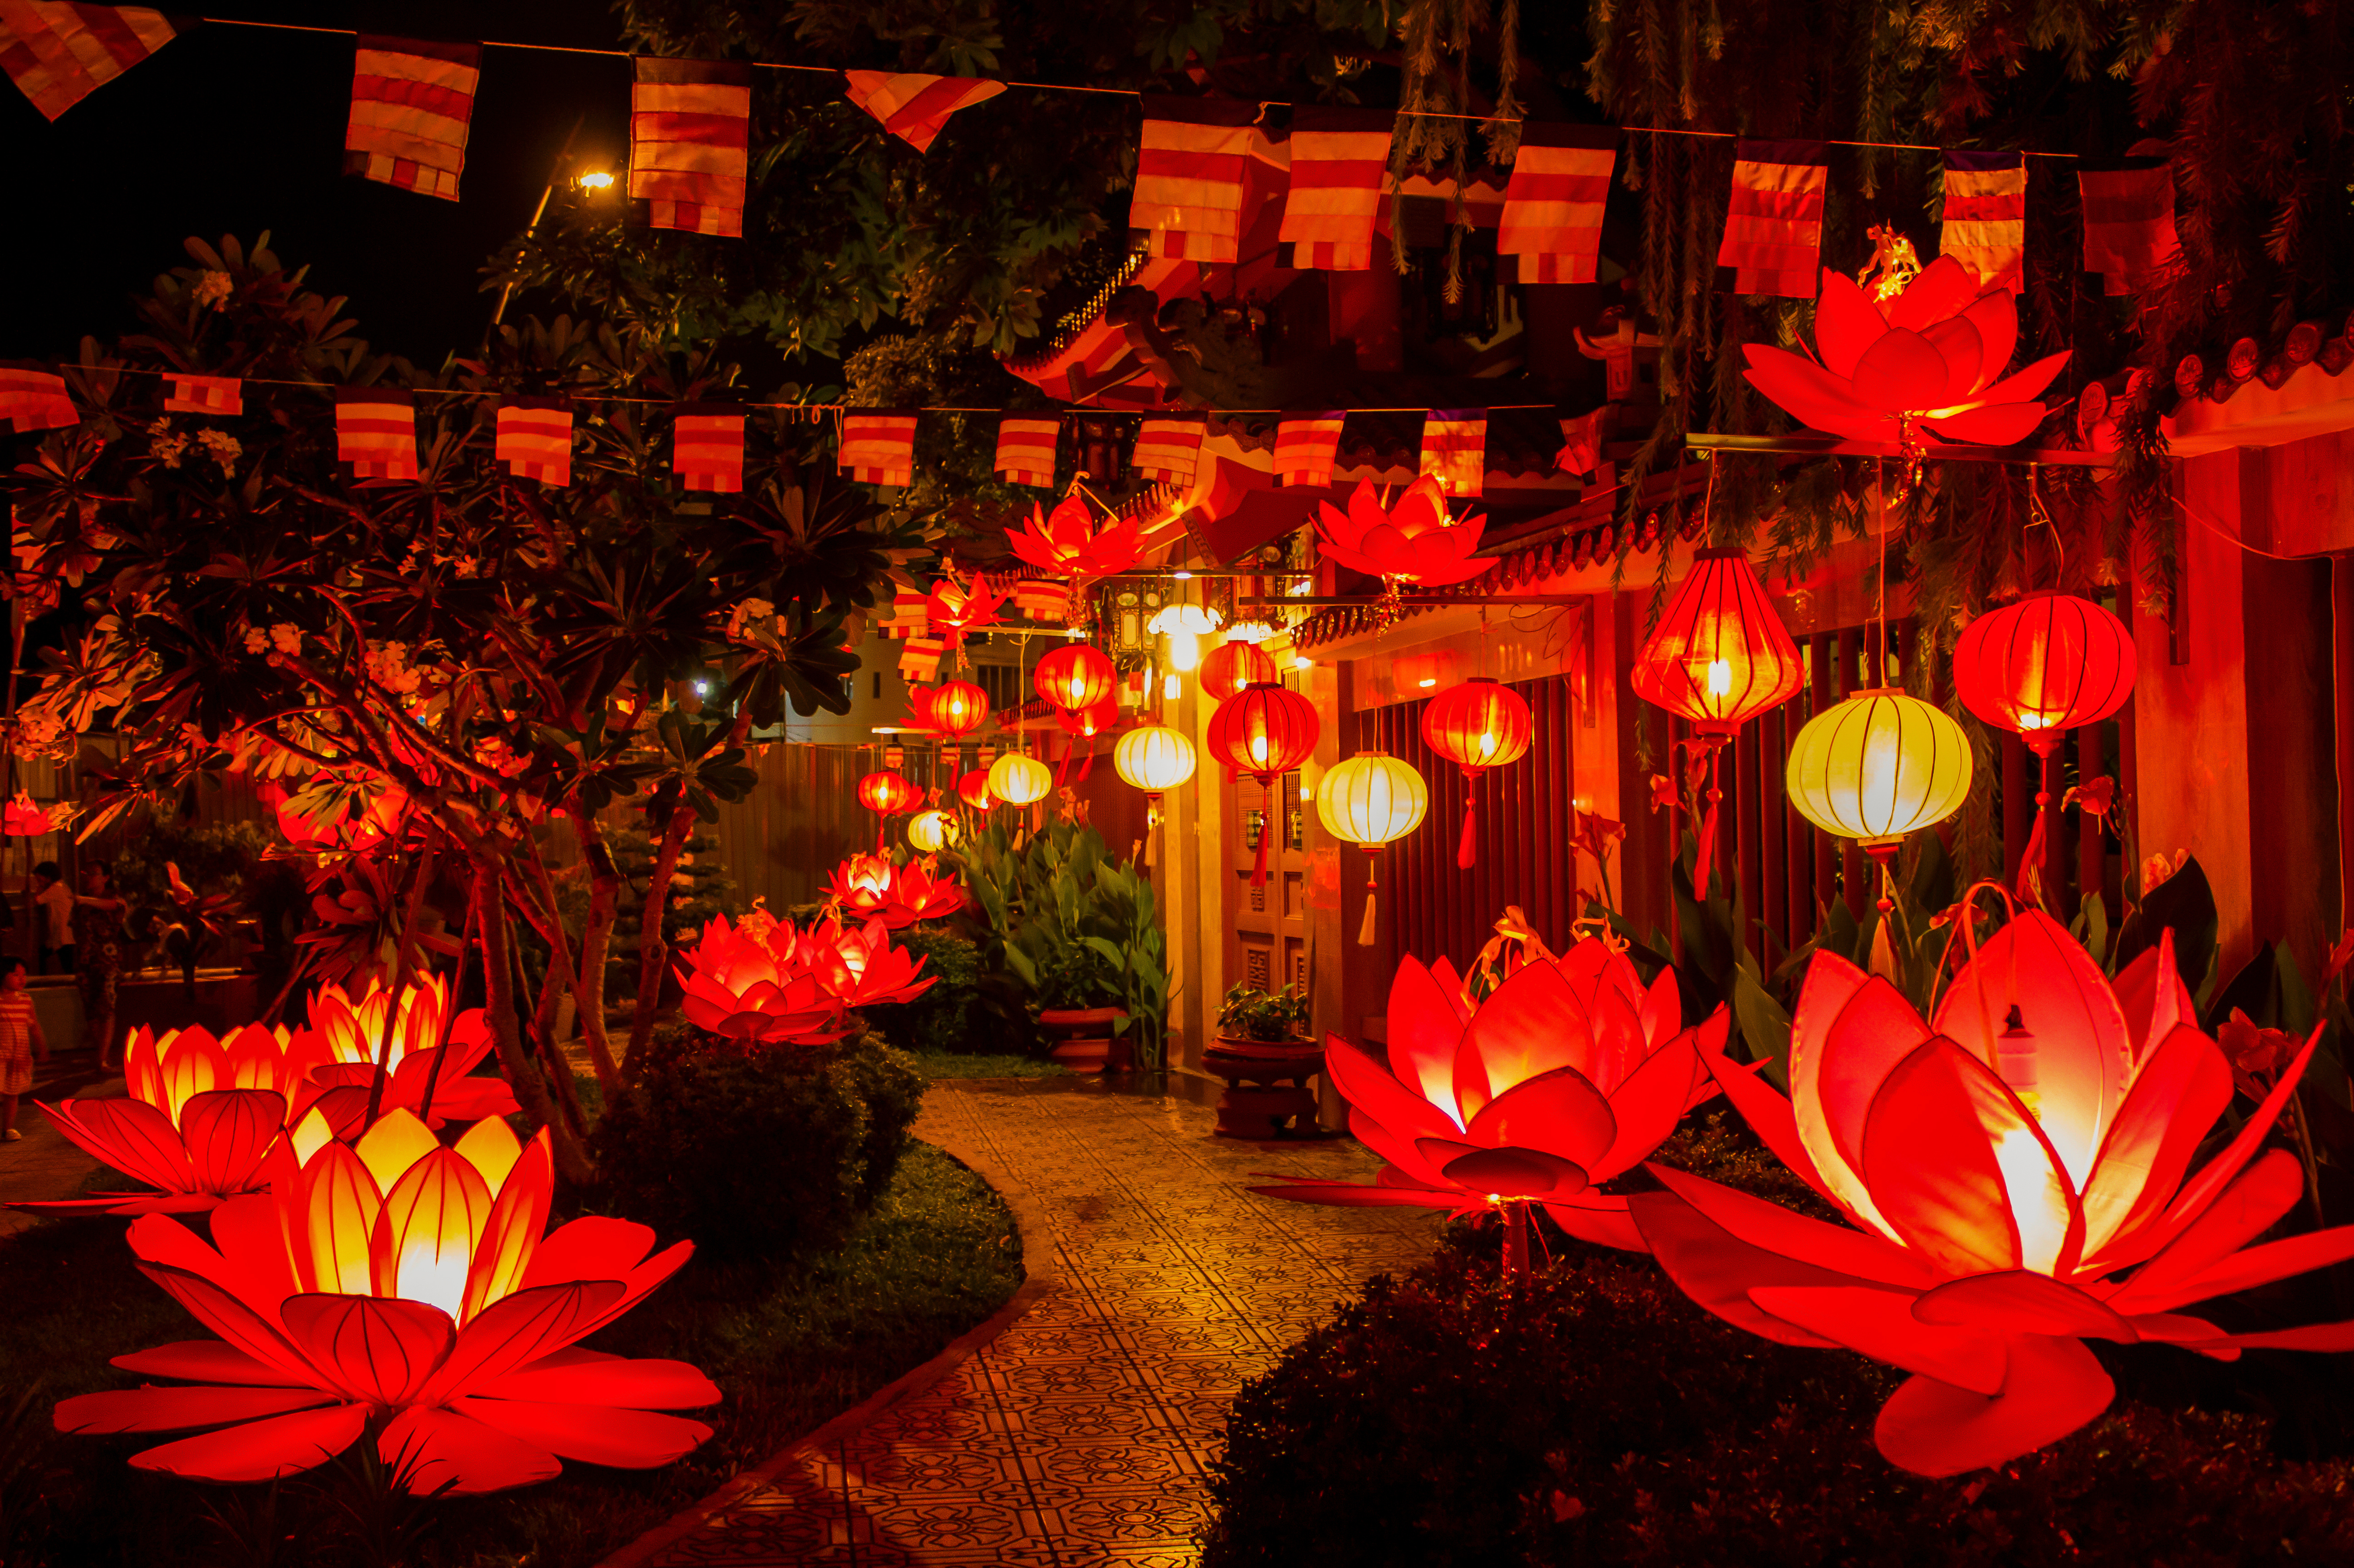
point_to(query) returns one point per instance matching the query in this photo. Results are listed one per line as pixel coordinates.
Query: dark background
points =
(233, 129)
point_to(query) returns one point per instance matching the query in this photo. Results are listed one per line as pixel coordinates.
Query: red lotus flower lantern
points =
(1234, 665)
(1067, 544)
(21, 818)
(957, 611)
(1075, 675)
(1479, 724)
(972, 788)
(1719, 657)
(1999, 1167)
(402, 1287)
(957, 709)
(1929, 356)
(1265, 731)
(858, 964)
(1568, 1074)
(869, 887)
(429, 1051)
(752, 984)
(1414, 542)
(2050, 662)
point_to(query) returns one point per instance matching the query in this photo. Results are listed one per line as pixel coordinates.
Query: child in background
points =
(21, 1043)
(53, 905)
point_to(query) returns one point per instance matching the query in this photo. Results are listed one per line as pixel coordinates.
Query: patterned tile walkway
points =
(1077, 1436)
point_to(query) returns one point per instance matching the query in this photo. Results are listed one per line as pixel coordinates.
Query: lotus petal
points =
(206, 1360)
(1956, 342)
(1933, 1428)
(1530, 1024)
(131, 1136)
(227, 1132)
(1939, 291)
(1994, 317)
(252, 1245)
(440, 1451)
(2219, 1173)
(1854, 1255)
(261, 1450)
(1647, 1106)
(589, 1377)
(1930, 1158)
(1560, 1112)
(178, 1409)
(1847, 322)
(233, 1320)
(2182, 1088)
(1818, 401)
(2240, 1213)
(626, 1439)
(2312, 1337)
(1899, 373)
(1832, 1090)
(2020, 1301)
(2152, 996)
(1373, 1089)
(1599, 1218)
(1401, 1149)
(519, 1330)
(381, 1349)
(1425, 1030)
(2025, 384)
(2263, 1265)
(1718, 1270)
(1514, 1173)
(1992, 425)
(1772, 1118)
(1881, 1324)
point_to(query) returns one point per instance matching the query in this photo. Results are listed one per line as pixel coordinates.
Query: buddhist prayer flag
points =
(1455, 448)
(1553, 206)
(1581, 443)
(920, 659)
(1025, 451)
(879, 449)
(690, 139)
(204, 395)
(914, 108)
(35, 401)
(60, 55)
(911, 614)
(2129, 234)
(1986, 216)
(535, 439)
(1774, 228)
(707, 447)
(1189, 176)
(1042, 598)
(1167, 449)
(1338, 157)
(376, 432)
(411, 103)
(1306, 449)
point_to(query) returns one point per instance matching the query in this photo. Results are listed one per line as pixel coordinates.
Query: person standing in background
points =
(21, 1043)
(97, 957)
(53, 904)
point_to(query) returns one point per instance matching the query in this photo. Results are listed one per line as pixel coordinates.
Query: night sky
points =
(234, 129)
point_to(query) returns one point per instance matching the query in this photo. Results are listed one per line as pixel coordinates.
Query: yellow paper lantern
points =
(931, 831)
(1154, 759)
(1877, 767)
(1020, 779)
(1370, 800)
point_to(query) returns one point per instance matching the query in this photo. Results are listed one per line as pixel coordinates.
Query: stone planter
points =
(1267, 1093)
(1081, 1037)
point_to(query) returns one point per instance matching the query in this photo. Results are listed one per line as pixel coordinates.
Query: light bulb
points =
(1184, 650)
(597, 180)
(1426, 683)
(1259, 749)
(1079, 691)
(1720, 677)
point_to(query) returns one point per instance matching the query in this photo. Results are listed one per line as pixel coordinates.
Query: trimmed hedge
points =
(769, 1153)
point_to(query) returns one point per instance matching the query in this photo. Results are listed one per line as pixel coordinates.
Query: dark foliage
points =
(772, 1154)
(943, 1018)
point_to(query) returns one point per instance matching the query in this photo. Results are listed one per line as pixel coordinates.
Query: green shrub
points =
(1597, 1417)
(940, 1019)
(772, 1154)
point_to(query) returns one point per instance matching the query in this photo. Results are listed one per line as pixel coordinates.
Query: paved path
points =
(42, 1165)
(1077, 1436)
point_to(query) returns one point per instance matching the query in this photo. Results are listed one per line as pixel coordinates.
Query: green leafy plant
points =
(1249, 1013)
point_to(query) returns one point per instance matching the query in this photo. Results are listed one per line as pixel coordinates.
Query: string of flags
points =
(1202, 163)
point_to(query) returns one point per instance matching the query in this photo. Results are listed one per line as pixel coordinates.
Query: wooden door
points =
(1267, 926)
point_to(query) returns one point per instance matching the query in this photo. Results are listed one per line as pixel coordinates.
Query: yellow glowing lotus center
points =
(2036, 1207)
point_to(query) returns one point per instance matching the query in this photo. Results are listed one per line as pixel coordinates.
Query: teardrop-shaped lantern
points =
(1370, 800)
(1232, 665)
(1075, 675)
(1719, 657)
(1019, 779)
(1479, 724)
(1265, 731)
(1877, 767)
(1156, 759)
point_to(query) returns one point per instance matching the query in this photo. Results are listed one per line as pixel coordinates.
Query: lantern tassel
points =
(1373, 889)
(1087, 763)
(1266, 831)
(1062, 769)
(1467, 853)
(1706, 859)
(2029, 885)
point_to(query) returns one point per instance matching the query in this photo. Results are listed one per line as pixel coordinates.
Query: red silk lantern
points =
(958, 709)
(1719, 656)
(2049, 662)
(1265, 730)
(1231, 666)
(1075, 675)
(1084, 724)
(972, 788)
(886, 795)
(1479, 724)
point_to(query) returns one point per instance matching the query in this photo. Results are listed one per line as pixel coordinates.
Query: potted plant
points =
(1265, 1055)
(1251, 1016)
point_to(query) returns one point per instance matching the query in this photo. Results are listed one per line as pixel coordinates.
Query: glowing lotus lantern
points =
(746, 984)
(406, 1286)
(2048, 663)
(957, 611)
(1568, 1074)
(1999, 1167)
(1264, 731)
(858, 964)
(21, 818)
(1930, 356)
(957, 708)
(1479, 724)
(972, 788)
(866, 886)
(1719, 657)
(1370, 800)
(1074, 676)
(1019, 779)
(1232, 665)
(1414, 542)
(931, 831)
(1066, 542)
(428, 1047)
(1877, 767)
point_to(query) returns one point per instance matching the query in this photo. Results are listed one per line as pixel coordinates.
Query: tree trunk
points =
(566, 1094)
(572, 1160)
(596, 946)
(654, 952)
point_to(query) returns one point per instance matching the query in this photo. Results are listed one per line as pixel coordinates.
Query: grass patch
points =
(791, 1347)
(938, 1065)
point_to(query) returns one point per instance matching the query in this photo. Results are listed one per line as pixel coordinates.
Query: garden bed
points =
(791, 1347)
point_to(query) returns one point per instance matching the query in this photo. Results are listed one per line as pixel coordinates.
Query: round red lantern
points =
(1083, 724)
(1719, 656)
(1265, 730)
(886, 795)
(1075, 675)
(2049, 662)
(1233, 665)
(958, 709)
(972, 788)
(1479, 724)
